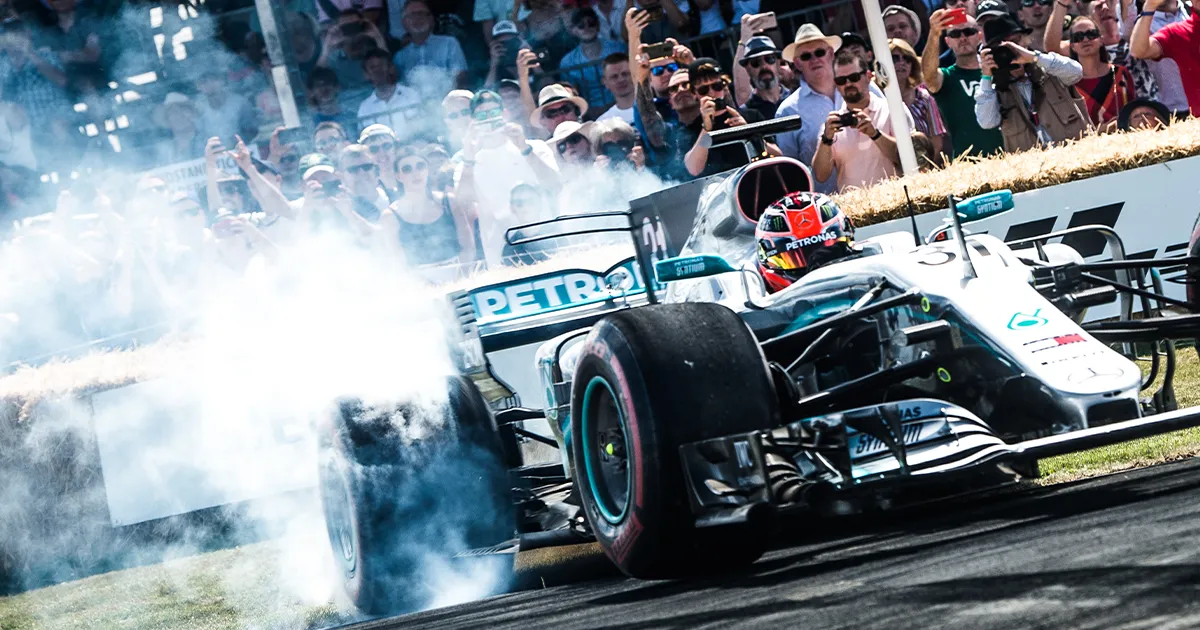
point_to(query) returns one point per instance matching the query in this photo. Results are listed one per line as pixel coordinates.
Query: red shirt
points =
(1181, 42)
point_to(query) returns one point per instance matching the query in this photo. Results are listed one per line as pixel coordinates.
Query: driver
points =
(798, 233)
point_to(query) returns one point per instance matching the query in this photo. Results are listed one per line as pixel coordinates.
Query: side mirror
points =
(985, 205)
(687, 267)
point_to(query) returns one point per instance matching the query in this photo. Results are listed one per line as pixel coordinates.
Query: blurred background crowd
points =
(142, 142)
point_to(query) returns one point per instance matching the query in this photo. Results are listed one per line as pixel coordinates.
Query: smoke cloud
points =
(258, 355)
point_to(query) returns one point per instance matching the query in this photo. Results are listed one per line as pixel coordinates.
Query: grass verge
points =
(1138, 453)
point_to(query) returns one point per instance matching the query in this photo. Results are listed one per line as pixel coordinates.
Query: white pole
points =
(896, 106)
(279, 67)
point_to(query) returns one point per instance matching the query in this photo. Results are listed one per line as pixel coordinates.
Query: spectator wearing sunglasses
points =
(812, 55)
(761, 64)
(1105, 87)
(857, 139)
(616, 145)
(1104, 15)
(556, 105)
(572, 144)
(359, 174)
(1035, 14)
(927, 118)
(380, 140)
(585, 27)
(426, 226)
(954, 87)
(717, 111)
(456, 115)
(329, 138)
(948, 57)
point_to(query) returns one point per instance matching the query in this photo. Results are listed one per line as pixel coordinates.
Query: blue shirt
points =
(439, 51)
(588, 79)
(813, 108)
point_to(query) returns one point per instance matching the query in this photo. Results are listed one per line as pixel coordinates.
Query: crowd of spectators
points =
(430, 128)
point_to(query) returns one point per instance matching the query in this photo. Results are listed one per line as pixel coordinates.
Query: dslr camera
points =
(1005, 60)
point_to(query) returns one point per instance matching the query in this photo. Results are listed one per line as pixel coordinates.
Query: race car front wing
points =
(840, 459)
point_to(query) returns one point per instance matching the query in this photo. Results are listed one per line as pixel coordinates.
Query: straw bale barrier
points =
(1089, 157)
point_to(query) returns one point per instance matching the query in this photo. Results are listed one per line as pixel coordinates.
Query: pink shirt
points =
(859, 161)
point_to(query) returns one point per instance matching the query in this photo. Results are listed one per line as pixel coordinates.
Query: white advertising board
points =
(1152, 209)
(167, 449)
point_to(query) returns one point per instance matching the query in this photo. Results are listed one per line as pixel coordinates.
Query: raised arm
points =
(931, 68)
(1053, 41)
(1140, 43)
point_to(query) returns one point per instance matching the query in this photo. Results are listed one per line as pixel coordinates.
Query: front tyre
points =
(405, 488)
(649, 380)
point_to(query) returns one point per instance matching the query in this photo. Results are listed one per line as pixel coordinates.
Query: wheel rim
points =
(339, 519)
(606, 458)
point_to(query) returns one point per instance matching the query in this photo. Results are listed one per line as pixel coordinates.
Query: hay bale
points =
(1089, 157)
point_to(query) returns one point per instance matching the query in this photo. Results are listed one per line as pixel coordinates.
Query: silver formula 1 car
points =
(690, 407)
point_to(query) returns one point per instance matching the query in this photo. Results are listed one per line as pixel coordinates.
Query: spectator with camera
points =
(717, 112)
(326, 204)
(812, 53)
(496, 153)
(346, 45)
(389, 103)
(954, 87)
(660, 20)
(1176, 41)
(618, 80)
(652, 68)
(857, 139)
(547, 28)
(1027, 95)
(506, 43)
(616, 145)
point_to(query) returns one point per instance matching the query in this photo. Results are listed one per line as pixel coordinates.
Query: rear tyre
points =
(400, 498)
(649, 380)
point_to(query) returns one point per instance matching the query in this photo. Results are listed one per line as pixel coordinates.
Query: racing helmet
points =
(798, 233)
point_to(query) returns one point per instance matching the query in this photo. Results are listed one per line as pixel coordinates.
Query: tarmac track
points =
(1117, 552)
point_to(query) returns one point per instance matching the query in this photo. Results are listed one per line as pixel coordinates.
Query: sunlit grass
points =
(1138, 453)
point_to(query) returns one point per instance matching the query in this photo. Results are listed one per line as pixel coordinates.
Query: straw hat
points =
(552, 95)
(810, 33)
